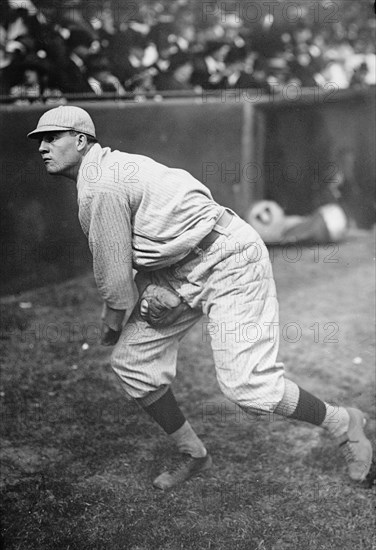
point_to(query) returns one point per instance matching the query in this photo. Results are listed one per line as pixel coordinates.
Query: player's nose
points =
(43, 146)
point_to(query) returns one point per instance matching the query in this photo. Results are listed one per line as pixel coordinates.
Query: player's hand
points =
(109, 337)
(112, 320)
(160, 306)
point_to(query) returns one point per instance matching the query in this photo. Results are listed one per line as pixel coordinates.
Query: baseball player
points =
(192, 257)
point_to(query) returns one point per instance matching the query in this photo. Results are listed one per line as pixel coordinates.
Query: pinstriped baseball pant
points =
(232, 283)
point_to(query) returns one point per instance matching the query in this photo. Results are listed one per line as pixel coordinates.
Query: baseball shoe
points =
(185, 468)
(356, 448)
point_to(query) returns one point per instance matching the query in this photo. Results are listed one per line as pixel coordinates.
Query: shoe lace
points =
(181, 464)
(349, 450)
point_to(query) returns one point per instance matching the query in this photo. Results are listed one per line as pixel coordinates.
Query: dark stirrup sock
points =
(166, 412)
(309, 409)
(299, 404)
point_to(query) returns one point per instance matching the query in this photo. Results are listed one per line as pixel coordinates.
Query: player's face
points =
(59, 153)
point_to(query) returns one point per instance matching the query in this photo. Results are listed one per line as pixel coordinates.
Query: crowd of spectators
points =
(49, 50)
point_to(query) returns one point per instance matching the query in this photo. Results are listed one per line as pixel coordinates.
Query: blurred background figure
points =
(328, 223)
(240, 71)
(34, 83)
(140, 39)
(178, 74)
(126, 51)
(73, 76)
(210, 66)
(100, 77)
(360, 76)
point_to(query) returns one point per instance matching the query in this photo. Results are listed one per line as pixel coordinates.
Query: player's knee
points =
(252, 398)
(232, 394)
(133, 376)
(252, 406)
(128, 383)
(121, 364)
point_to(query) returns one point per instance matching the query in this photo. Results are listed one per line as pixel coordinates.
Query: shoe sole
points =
(357, 413)
(206, 466)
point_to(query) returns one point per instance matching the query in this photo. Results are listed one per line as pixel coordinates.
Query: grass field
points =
(77, 458)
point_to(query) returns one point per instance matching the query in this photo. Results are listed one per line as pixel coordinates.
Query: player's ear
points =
(81, 142)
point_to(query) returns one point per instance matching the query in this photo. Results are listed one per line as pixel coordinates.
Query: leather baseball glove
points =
(160, 306)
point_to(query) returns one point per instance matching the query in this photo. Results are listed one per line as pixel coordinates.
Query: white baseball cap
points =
(64, 117)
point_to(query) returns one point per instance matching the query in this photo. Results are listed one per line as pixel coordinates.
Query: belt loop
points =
(220, 229)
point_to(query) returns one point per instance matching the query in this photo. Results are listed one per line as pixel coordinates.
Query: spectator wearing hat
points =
(278, 72)
(9, 70)
(304, 69)
(71, 14)
(165, 45)
(359, 77)
(101, 78)
(34, 83)
(17, 40)
(73, 76)
(126, 51)
(210, 66)
(235, 75)
(178, 76)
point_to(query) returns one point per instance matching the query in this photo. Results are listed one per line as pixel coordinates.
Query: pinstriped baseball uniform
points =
(138, 213)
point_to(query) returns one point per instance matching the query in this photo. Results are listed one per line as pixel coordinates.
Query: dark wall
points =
(320, 149)
(300, 150)
(41, 240)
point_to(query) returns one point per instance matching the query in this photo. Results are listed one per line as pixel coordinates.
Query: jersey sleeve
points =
(106, 220)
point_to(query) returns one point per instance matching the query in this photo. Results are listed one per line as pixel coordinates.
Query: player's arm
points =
(109, 236)
(112, 321)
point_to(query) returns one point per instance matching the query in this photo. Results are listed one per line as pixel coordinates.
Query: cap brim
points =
(42, 130)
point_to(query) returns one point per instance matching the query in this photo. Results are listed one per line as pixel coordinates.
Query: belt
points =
(223, 221)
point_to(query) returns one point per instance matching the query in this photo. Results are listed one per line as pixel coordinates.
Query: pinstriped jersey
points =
(138, 213)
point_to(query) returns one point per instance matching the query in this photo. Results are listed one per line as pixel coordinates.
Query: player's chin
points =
(52, 169)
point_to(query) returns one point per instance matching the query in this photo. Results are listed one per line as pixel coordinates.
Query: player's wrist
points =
(112, 318)
(109, 337)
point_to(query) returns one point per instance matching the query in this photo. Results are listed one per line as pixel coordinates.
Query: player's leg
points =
(167, 413)
(243, 312)
(194, 457)
(145, 361)
(346, 425)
